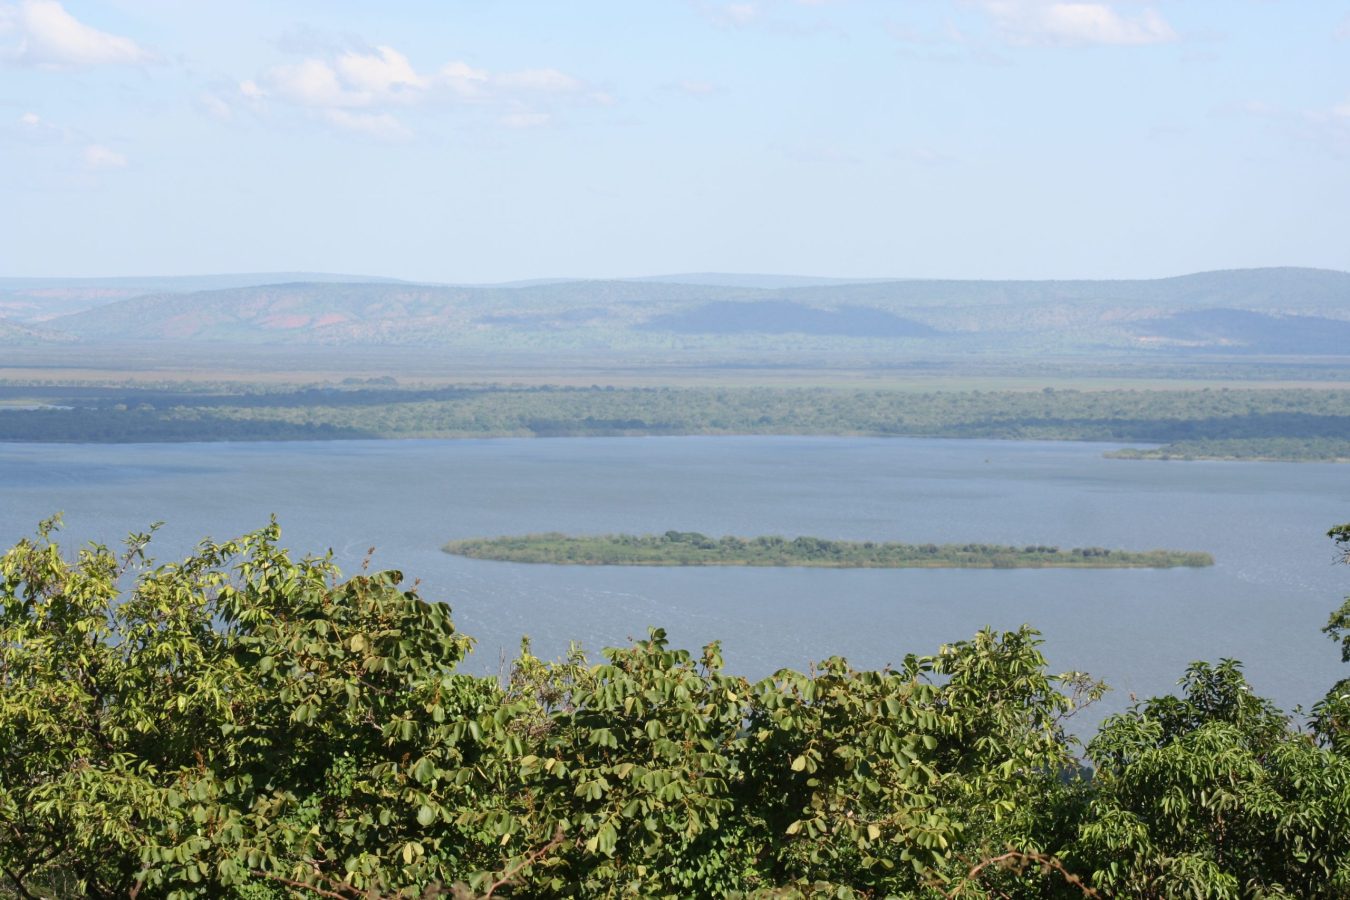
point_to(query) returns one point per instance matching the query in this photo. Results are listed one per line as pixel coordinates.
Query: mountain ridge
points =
(631, 314)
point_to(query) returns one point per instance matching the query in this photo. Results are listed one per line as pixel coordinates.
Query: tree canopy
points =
(247, 724)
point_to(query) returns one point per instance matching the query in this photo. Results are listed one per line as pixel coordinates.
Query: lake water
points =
(1264, 602)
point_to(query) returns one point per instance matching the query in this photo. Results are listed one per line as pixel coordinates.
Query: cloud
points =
(311, 82)
(925, 156)
(1075, 24)
(825, 154)
(741, 13)
(51, 38)
(98, 157)
(359, 90)
(464, 79)
(773, 15)
(383, 73)
(1325, 129)
(32, 127)
(1343, 30)
(545, 80)
(214, 105)
(382, 126)
(525, 119)
(693, 88)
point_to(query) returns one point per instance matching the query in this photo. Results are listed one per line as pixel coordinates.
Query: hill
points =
(16, 333)
(1253, 311)
(1253, 332)
(40, 299)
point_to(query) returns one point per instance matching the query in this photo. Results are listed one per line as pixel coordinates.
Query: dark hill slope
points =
(1228, 329)
(784, 317)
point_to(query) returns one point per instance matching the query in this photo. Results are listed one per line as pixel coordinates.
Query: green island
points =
(689, 548)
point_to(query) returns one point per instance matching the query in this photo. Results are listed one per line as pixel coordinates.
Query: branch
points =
(1019, 861)
(18, 885)
(300, 885)
(347, 892)
(528, 860)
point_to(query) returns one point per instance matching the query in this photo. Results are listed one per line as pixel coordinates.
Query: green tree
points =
(236, 718)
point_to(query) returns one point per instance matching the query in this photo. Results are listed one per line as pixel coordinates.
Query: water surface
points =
(1264, 601)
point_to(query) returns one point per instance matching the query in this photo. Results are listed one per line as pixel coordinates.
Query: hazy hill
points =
(746, 280)
(1273, 289)
(1273, 311)
(1253, 332)
(785, 317)
(40, 299)
(13, 333)
(382, 313)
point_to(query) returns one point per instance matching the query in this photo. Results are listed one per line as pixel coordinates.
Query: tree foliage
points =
(246, 724)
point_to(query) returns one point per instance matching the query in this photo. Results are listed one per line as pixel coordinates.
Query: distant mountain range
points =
(1285, 311)
(12, 333)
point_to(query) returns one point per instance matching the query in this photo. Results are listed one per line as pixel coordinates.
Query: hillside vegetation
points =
(244, 724)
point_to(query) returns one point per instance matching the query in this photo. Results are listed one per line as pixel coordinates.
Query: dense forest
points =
(246, 724)
(689, 548)
(1305, 424)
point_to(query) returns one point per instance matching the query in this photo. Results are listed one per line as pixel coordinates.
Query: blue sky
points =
(488, 140)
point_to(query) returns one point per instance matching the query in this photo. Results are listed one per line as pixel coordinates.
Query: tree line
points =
(1238, 423)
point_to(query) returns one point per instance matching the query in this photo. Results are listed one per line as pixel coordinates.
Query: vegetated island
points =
(1267, 449)
(689, 548)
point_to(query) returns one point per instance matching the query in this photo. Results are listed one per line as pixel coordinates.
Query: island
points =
(689, 548)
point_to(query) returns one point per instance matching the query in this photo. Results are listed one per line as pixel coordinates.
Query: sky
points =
(493, 140)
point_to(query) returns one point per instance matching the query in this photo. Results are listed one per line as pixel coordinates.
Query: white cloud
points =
(525, 119)
(310, 82)
(741, 13)
(384, 72)
(352, 80)
(215, 105)
(925, 156)
(51, 38)
(545, 80)
(1343, 30)
(377, 125)
(772, 15)
(464, 80)
(97, 157)
(1048, 22)
(33, 127)
(694, 88)
(359, 90)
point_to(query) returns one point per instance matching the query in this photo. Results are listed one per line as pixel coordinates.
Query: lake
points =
(1263, 602)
